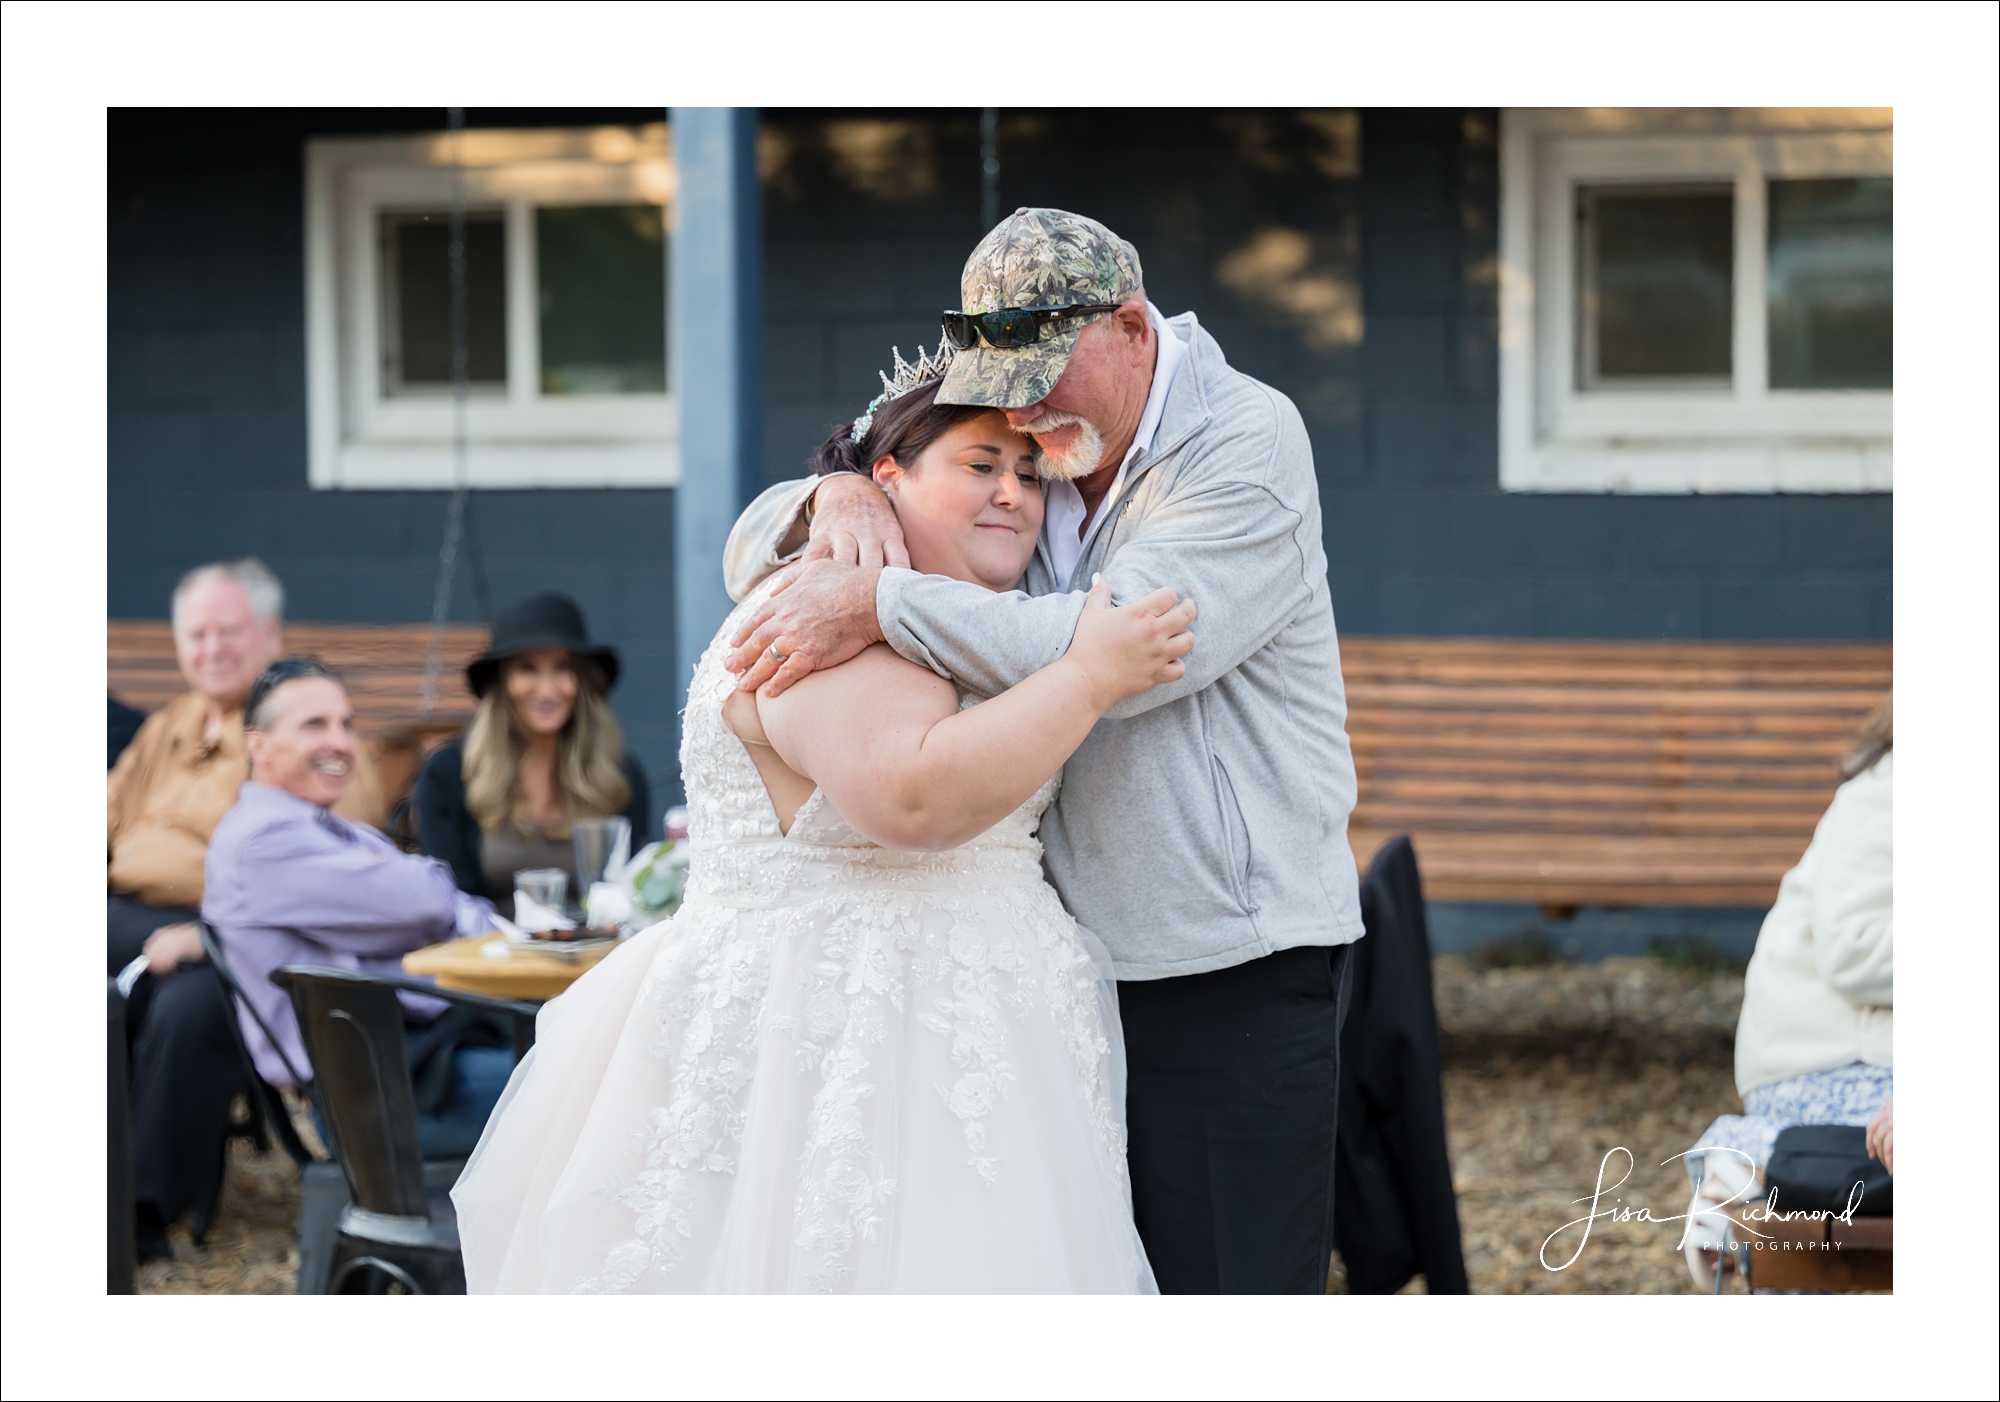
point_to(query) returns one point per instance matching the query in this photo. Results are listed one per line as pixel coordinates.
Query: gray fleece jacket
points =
(1202, 823)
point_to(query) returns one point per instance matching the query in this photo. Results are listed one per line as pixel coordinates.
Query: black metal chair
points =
(325, 1187)
(326, 1194)
(399, 1234)
(277, 1119)
(122, 1237)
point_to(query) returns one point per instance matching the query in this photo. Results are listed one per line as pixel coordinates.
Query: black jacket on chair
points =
(1396, 1214)
(452, 835)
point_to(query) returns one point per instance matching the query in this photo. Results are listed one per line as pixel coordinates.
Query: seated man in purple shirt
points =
(288, 881)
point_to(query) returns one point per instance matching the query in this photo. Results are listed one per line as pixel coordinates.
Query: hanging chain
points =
(989, 167)
(454, 526)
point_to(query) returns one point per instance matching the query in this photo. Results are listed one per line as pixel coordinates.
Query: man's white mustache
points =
(1080, 459)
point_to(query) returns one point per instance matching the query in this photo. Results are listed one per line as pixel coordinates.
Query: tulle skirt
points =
(910, 1090)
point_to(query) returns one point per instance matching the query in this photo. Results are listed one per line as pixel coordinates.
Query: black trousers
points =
(185, 1069)
(1232, 1102)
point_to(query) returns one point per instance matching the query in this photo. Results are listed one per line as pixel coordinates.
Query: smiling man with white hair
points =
(1201, 829)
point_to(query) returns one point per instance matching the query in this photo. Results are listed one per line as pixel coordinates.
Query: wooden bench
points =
(1839, 1257)
(1565, 774)
(382, 665)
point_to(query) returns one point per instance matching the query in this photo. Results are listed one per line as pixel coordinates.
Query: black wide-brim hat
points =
(539, 621)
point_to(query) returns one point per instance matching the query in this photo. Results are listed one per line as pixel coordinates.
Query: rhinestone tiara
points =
(908, 376)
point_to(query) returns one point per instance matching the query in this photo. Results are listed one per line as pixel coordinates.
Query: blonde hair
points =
(589, 755)
(1876, 739)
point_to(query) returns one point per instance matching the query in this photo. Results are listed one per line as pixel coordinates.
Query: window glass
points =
(1829, 284)
(1656, 269)
(603, 299)
(416, 291)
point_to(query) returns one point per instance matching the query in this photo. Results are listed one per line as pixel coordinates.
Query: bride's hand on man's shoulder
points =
(1126, 649)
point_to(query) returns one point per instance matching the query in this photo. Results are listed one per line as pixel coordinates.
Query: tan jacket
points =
(171, 788)
(1820, 991)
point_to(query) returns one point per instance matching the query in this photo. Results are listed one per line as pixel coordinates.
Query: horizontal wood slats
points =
(1602, 773)
(382, 666)
(1554, 773)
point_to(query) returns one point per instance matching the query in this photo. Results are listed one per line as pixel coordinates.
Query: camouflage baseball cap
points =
(1036, 258)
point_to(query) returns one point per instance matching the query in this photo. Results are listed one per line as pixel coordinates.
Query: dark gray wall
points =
(208, 426)
(869, 217)
(1273, 227)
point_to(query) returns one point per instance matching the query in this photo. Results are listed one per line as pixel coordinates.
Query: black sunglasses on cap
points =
(1011, 328)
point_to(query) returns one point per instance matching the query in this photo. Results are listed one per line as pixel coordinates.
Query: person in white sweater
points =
(1815, 1040)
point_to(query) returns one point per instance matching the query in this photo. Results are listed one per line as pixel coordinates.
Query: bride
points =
(871, 1052)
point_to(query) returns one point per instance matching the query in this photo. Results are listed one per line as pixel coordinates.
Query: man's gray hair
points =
(267, 596)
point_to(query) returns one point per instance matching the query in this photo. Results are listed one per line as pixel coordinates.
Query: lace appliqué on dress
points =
(890, 939)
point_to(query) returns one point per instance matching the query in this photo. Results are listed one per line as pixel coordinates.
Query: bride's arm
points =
(886, 741)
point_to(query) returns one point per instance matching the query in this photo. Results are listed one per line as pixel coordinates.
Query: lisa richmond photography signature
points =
(1620, 1211)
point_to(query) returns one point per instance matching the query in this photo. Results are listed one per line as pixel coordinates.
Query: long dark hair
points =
(903, 428)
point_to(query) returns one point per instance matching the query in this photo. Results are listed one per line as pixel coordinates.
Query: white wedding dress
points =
(838, 1067)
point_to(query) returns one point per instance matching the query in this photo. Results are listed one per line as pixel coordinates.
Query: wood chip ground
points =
(1547, 1070)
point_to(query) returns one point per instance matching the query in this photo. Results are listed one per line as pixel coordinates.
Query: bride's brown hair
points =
(903, 428)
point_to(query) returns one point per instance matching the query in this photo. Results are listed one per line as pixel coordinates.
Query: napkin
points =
(610, 904)
(534, 917)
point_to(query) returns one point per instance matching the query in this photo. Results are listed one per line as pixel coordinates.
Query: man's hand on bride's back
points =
(1125, 650)
(819, 617)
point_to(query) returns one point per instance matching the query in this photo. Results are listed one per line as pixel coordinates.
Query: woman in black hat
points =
(543, 749)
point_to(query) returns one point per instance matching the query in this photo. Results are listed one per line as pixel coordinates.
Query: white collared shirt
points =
(1062, 503)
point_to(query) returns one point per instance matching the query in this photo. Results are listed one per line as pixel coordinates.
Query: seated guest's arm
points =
(159, 864)
(131, 778)
(364, 896)
(152, 858)
(446, 829)
(1853, 892)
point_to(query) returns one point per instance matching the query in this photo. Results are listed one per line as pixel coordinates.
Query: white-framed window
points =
(1695, 300)
(565, 309)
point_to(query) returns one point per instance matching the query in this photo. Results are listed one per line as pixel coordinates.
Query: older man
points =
(1202, 827)
(180, 774)
(292, 882)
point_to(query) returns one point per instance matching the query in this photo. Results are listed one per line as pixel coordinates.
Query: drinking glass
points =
(545, 886)
(602, 845)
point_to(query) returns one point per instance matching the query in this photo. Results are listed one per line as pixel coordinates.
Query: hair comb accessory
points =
(908, 376)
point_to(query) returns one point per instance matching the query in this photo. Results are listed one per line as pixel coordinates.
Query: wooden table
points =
(528, 975)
